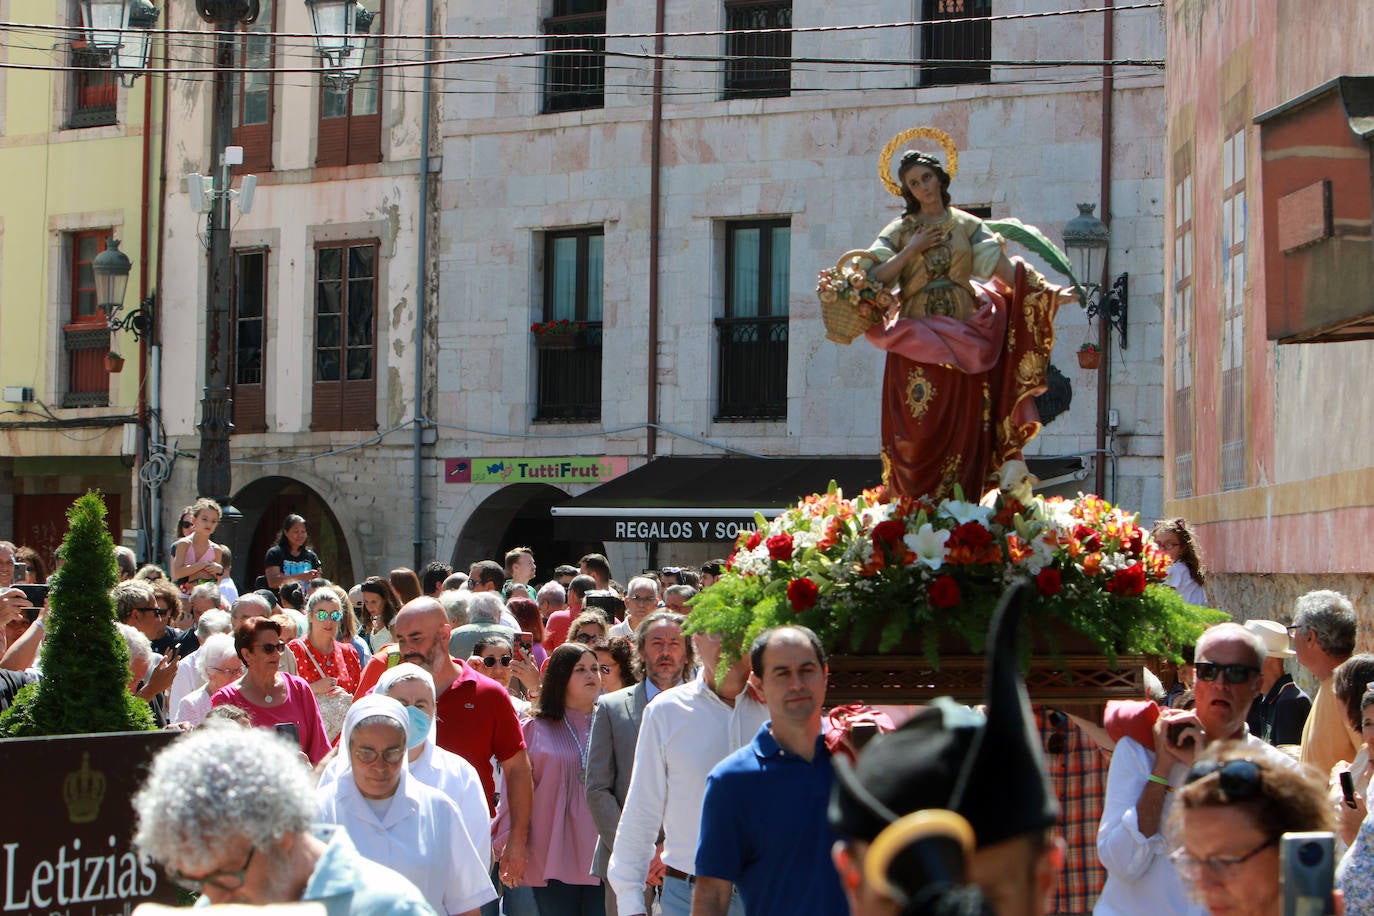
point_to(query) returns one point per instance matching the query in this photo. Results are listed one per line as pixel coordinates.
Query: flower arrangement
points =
(1088, 347)
(561, 327)
(849, 283)
(898, 567)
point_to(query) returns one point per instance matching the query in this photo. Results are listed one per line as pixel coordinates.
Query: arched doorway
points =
(264, 504)
(518, 516)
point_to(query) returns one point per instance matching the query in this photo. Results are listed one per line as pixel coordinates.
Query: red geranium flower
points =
(780, 547)
(1129, 581)
(755, 540)
(802, 594)
(888, 534)
(1048, 582)
(944, 592)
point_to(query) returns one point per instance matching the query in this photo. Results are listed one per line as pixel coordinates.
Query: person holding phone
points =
(1232, 810)
(291, 559)
(269, 695)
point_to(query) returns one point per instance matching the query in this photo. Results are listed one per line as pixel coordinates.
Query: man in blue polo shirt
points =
(763, 819)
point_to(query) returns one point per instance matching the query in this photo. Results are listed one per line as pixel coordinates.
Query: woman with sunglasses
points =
(398, 821)
(270, 696)
(1142, 781)
(330, 665)
(494, 656)
(1232, 810)
(562, 832)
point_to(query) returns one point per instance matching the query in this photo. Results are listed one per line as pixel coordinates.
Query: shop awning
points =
(713, 499)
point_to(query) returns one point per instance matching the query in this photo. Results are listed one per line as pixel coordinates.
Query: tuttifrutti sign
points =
(563, 471)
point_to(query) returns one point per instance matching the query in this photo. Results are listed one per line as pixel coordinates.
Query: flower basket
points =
(850, 304)
(1089, 359)
(114, 363)
(902, 591)
(558, 334)
(555, 341)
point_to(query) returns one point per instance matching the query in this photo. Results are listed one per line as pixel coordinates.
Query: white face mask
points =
(417, 731)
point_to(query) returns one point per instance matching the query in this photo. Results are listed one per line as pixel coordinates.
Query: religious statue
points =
(968, 336)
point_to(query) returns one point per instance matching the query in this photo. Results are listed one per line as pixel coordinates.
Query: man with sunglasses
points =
(1140, 784)
(136, 604)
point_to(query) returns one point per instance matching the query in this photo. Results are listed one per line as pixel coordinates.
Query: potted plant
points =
(558, 334)
(113, 362)
(1089, 356)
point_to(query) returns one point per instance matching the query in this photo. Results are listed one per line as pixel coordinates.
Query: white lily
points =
(928, 545)
(966, 512)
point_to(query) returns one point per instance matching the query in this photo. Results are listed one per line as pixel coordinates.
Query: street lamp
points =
(111, 268)
(1086, 238)
(121, 31)
(341, 32)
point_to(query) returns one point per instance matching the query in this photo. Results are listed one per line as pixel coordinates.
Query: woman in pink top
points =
(269, 696)
(562, 832)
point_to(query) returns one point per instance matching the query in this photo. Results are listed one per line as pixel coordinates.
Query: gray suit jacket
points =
(610, 760)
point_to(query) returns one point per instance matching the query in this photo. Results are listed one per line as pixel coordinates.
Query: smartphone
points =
(1176, 731)
(1307, 871)
(37, 594)
(1348, 788)
(21, 570)
(524, 644)
(288, 730)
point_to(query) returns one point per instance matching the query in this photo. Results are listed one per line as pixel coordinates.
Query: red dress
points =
(341, 664)
(958, 395)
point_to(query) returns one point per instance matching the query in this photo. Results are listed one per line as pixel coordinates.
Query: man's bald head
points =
(422, 631)
(419, 610)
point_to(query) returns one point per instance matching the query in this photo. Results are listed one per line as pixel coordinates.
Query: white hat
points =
(1274, 636)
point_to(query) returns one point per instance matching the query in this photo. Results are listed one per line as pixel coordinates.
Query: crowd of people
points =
(481, 742)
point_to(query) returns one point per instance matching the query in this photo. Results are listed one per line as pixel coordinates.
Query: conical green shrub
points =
(85, 662)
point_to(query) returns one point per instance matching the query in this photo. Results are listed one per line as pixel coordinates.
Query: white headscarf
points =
(371, 705)
(408, 671)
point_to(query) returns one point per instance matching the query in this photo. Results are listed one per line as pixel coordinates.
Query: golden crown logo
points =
(83, 791)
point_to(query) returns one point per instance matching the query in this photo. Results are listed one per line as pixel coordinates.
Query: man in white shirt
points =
(1141, 880)
(641, 598)
(685, 732)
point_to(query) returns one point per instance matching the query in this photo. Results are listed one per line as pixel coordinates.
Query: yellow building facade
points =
(80, 159)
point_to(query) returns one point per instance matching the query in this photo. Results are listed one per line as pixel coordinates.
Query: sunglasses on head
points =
(1234, 673)
(1236, 778)
(329, 615)
(490, 661)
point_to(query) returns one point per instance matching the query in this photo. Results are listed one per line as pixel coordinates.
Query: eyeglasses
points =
(370, 755)
(185, 523)
(215, 878)
(1236, 778)
(490, 661)
(1234, 674)
(272, 648)
(586, 637)
(1191, 866)
(153, 610)
(641, 597)
(671, 570)
(232, 672)
(335, 616)
(1293, 629)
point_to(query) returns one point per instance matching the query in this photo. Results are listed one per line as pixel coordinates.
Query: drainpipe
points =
(1104, 369)
(136, 518)
(421, 292)
(655, 202)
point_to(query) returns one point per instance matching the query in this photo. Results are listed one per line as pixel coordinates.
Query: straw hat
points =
(1275, 637)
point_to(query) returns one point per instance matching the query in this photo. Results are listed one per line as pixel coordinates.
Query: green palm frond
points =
(1037, 243)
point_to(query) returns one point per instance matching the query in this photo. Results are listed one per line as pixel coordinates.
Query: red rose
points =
(944, 592)
(888, 534)
(1048, 582)
(1088, 537)
(755, 540)
(802, 594)
(780, 547)
(1128, 581)
(1135, 543)
(972, 534)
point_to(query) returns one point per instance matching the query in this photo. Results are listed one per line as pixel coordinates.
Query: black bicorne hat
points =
(989, 771)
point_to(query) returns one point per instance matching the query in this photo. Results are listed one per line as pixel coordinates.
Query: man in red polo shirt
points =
(475, 718)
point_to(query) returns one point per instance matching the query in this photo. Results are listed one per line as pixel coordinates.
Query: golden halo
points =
(885, 165)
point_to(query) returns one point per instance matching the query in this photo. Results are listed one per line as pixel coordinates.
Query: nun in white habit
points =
(454, 777)
(397, 821)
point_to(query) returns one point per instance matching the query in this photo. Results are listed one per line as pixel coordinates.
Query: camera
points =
(1307, 867)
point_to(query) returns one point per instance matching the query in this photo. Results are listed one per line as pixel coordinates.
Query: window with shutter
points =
(85, 333)
(350, 123)
(249, 326)
(344, 392)
(254, 102)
